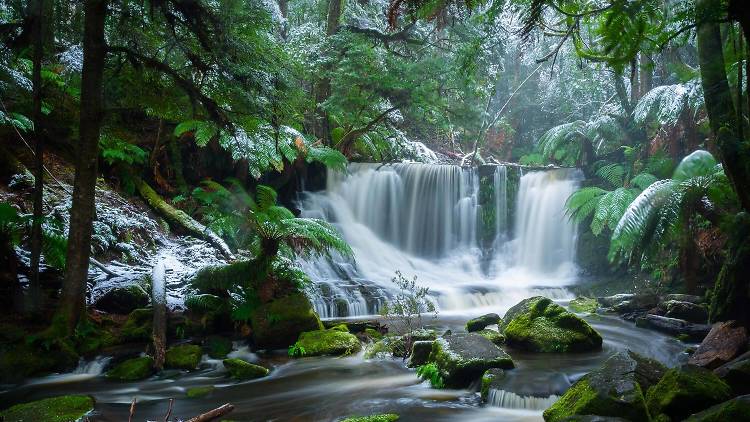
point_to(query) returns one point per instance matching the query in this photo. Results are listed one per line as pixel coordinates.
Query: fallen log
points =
(180, 219)
(213, 414)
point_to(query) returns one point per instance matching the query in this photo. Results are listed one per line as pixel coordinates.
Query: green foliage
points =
(16, 120)
(115, 150)
(667, 104)
(431, 372)
(296, 350)
(404, 310)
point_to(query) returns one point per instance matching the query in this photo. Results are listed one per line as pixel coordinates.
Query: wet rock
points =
(420, 353)
(724, 342)
(593, 418)
(132, 369)
(539, 325)
(373, 334)
(735, 410)
(673, 326)
(736, 373)
(491, 380)
(241, 370)
(492, 336)
(278, 324)
(185, 356)
(122, 300)
(685, 298)
(55, 409)
(422, 334)
(684, 391)
(622, 304)
(384, 417)
(614, 390)
(326, 342)
(480, 323)
(217, 347)
(584, 305)
(356, 326)
(684, 310)
(463, 357)
(610, 301)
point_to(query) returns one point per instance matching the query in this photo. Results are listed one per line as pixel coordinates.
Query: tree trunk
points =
(159, 301)
(73, 299)
(322, 89)
(718, 99)
(36, 116)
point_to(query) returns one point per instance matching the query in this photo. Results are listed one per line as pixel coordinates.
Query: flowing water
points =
(425, 221)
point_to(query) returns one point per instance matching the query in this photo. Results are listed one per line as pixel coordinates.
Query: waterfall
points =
(510, 400)
(424, 220)
(546, 237)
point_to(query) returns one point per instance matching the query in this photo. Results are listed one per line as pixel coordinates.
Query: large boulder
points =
(185, 356)
(326, 342)
(626, 302)
(724, 342)
(684, 391)
(132, 369)
(492, 336)
(684, 298)
(139, 325)
(614, 390)
(420, 353)
(123, 299)
(463, 358)
(241, 370)
(278, 324)
(688, 311)
(674, 326)
(736, 373)
(217, 347)
(735, 410)
(539, 325)
(55, 409)
(482, 322)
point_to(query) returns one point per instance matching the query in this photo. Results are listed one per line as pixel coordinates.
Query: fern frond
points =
(265, 197)
(698, 163)
(611, 208)
(582, 203)
(643, 180)
(614, 174)
(314, 236)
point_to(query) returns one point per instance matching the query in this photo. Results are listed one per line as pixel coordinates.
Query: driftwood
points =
(159, 301)
(169, 410)
(180, 219)
(132, 410)
(213, 414)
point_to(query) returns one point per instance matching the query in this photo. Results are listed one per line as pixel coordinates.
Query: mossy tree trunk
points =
(73, 299)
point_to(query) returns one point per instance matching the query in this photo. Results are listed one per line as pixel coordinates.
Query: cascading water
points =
(424, 220)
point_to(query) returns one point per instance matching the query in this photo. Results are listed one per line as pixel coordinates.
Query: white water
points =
(510, 400)
(422, 219)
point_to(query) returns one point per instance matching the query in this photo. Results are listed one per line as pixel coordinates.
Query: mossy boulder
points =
(241, 370)
(491, 381)
(593, 418)
(584, 305)
(132, 369)
(326, 342)
(373, 334)
(123, 299)
(217, 347)
(138, 326)
(684, 391)
(388, 346)
(420, 353)
(198, 392)
(492, 336)
(385, 417)
(185, 356)
(480, 323)
(340, 327)
(614, 390)
(539, 325)
(736, 374)
(735, 410)
(278, 324)
(22, 360)
(463, 357)
(55, 409)
(422, 334)
(687, 311)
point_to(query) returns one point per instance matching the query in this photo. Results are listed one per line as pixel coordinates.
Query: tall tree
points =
(73, 298)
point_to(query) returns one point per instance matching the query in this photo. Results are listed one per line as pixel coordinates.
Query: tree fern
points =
(667, 103)
(614, 174)
(563, 140)
(582, 203)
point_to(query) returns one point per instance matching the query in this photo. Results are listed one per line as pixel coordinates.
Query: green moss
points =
(736, 410)
(583, 399)
(385, 417)
(683, 391)
(482, 322)
(430, 372)
(373, 334)
(132, 369)
(584, 305)
(488, 378)
(21, 360)
(463, 358)
(217, 347)
(492, 336)
(55, 409)
(186, 356)
(341, 327)
(386, 347)
(278, 324)
(327, 342)
(541, 325)
(138, 326)
(198, 392)
(241, 370)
